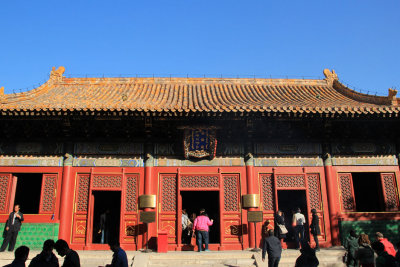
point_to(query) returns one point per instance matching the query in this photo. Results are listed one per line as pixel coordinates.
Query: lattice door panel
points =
(231, 217)
(347, 192)
(168, 206)
(81, 208)
(5, 188)
(130, 224)
(48, 196)
(267, 191)
(390, 191)
(315, 199)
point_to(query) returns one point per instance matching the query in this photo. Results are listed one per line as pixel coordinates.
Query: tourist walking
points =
(272, 246)
(389, 248)
(71, 257)
(13, 226)
(351, 246)
(20, 256)
(307, 257)
(298, 222)
(383, 259)
(119, 257)
(365, 254)
(280, 228)
(314, 228)
(46, 258)
(201, 226)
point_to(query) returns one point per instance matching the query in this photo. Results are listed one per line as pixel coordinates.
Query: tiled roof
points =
(185, 95)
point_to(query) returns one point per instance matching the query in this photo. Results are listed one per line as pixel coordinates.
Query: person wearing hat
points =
(314, 228)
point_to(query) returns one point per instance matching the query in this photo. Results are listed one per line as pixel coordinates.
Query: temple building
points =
(74, 148)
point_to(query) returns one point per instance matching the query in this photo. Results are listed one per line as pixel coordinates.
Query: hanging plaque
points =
(200, 143)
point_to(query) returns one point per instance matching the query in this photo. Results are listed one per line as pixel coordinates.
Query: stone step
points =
(331, 257)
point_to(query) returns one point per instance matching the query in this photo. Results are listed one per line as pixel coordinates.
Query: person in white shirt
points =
(186, 223)
(298, 224)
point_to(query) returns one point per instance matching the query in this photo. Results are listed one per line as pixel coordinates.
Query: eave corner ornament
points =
(200, 143)
(57, 74)
(330, 76)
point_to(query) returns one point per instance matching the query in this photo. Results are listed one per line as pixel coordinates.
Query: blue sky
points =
(359, 39)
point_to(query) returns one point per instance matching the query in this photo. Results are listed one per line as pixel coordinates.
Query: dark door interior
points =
(193, 201)
(106, 201)
(288, 201)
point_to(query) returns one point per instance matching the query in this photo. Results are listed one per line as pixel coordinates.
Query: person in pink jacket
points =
(201, 225)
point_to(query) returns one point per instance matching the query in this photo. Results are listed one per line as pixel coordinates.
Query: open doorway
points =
(107, 204)
(288, 201)
(27, 195)
(368, 191)
(193, 201)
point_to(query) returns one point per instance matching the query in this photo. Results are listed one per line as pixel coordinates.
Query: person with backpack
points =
(365, 254)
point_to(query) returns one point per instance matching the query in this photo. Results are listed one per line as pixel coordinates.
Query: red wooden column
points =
(67, 196)
(251, 189)
(333, 199)
(149, 190)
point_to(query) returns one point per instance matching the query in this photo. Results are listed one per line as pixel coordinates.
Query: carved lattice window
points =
(131, 193)
(390, 188)
(231, 199)
(290, 181)
(314, 191)
(107, 181)
(199, 181)
(83, 193)
(346, 189)
(5, 180)
(49, 189)
(168, 193)
(267, 191)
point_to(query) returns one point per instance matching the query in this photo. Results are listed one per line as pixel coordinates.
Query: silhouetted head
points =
(184, 211)
(270, 232)
(114, 244)
(61, 247)
(378, 246)
(298, 210)
(313, 211)
(279, 212)
(21, 253)
(48, 245)
(202, 211)
(353, 234)
(305, 248)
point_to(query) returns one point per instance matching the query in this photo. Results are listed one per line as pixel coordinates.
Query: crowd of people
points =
(47, 258)
(361, 252)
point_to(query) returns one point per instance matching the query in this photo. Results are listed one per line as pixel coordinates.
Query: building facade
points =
(74, 148)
